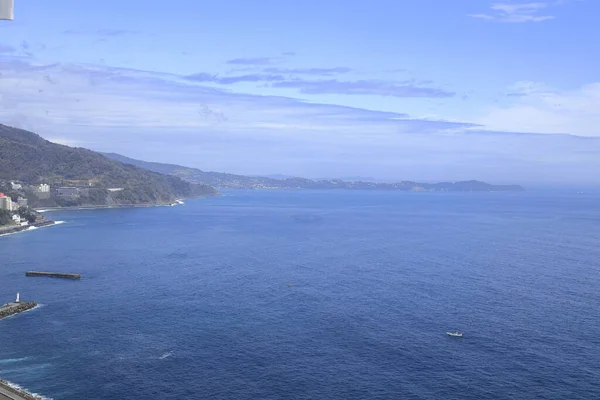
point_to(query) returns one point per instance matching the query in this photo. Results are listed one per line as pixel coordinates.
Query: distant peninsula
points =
(231, 181)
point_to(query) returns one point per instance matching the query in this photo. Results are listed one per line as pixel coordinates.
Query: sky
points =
(430, 90)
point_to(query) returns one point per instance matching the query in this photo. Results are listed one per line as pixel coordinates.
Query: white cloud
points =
(164, 118)
(537, 108)
(68, 96)
(516, 12)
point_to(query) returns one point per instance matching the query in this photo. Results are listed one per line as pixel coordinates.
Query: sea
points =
(311, 295)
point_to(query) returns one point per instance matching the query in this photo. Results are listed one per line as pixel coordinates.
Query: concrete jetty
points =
(53, 274)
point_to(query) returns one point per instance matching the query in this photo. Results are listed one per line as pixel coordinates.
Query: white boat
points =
(454, 334)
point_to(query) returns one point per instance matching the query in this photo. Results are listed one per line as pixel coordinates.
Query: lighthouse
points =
(18, 298)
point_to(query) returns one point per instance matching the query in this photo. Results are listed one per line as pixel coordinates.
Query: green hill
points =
(28, 158)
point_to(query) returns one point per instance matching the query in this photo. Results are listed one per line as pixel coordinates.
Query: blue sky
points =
(503, 91)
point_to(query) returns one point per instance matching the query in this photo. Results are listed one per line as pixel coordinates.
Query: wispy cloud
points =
(363, 87)
(309, 71)
(330, 86)
(98, 95)
(229, 80)
(517, 12)
(99, 32)
(6, 49)
(114, 32)
(169, 118)
(252, 61)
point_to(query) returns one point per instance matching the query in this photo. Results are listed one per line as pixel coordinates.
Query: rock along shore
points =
(13, 392)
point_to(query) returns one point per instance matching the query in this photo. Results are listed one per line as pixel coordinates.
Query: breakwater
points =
(17, 307)
(53, 274)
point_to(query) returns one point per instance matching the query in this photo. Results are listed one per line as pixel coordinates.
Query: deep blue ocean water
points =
(194, 302)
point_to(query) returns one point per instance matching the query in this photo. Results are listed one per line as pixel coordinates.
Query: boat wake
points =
(166, 355)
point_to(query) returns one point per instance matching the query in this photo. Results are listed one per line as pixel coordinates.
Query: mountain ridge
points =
(222, 180)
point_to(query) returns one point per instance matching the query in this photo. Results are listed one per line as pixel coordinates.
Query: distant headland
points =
(36, 173)
(221, 180)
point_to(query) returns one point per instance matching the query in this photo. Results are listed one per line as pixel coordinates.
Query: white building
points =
(16, 186)
(68, 193)
(20, 221)
(43, 188)
(5, 202)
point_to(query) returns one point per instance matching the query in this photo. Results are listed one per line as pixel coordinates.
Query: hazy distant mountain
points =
(350, 179)
(276, 176)
(329, 178)
(231, 181)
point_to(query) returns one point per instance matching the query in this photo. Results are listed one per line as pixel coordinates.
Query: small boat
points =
(454, 334)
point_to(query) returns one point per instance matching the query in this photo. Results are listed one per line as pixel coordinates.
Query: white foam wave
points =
(166, 355)
(13, 360)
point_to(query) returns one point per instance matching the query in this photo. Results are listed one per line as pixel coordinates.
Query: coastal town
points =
(16, 213)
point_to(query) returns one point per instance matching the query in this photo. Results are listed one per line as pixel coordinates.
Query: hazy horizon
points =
(502, 92)
(570, 187)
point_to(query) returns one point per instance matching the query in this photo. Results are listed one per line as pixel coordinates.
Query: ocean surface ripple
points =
(312, 295)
